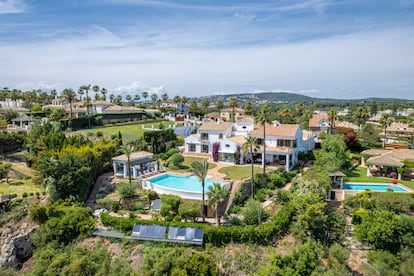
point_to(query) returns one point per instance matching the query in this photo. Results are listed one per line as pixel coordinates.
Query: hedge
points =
(263, 234)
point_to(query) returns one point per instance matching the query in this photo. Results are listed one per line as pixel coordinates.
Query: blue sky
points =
(320, 48)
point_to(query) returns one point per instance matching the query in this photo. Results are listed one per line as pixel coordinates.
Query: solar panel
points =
(172, 232)
(136, 231)
(199, 233)
(181, 233)
(158, 231)
(189, 234)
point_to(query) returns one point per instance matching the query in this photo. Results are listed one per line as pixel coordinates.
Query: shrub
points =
(171, 152)
(176, 159)
(31, 194)
(114, 206)
(24, 194)
(38, 213)
(261, 195)
(99, 133)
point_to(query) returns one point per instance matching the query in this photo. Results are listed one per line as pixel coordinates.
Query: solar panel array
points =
(152, 231)
(188, 234)
(191, 235)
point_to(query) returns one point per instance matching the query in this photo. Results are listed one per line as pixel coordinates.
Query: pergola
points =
(339, 174)
(140, 161)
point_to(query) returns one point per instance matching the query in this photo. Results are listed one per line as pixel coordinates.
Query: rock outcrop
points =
(15, 245)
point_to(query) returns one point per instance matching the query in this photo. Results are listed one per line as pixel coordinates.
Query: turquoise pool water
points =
(378, 187)
(186, 183)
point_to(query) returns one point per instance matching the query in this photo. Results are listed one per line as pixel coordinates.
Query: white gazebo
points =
(140, 162)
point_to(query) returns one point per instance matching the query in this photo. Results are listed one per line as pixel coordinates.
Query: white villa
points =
(283, 142)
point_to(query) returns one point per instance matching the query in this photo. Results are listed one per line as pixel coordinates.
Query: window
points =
(227, 145)
(244, 127)
(204, 136)
(220, 136)
(204, 149)
(192, 148)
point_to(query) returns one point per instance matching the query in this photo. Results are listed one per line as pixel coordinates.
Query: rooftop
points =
(219, 126)
(285, 130)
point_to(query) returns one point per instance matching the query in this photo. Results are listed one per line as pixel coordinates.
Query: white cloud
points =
(13, 6)
(375, 63)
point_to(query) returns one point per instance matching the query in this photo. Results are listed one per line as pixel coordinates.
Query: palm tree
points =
(248, 108)
(219, 106)
(216, 195)
(332, 117)
(111, 98)
(184, 99)
(164, 97)
(249, 146)
(205, 103)
(233, 105)
(145, 96)
(128, 150)
(70, 96)
(129, 99)
(385, 121)
(262, 118)
(285, 115)
(361, 115)
(193, 107)
(86, 89)
(81, 92)
(200, 169)
(104, 91)
(154, 98)
(136, 98)
(177, 99)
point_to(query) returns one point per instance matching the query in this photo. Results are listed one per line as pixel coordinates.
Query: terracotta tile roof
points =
(245, 118)
(285, 130)
(238, 110)
(316, 118)
(400, 127)
(122, 108)
(239, 139)
(212, 115)
(374, 152)
(102, 102)
(133, 156)
(392, 158)
(222, 126)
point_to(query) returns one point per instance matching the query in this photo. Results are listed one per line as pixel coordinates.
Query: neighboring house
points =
(14, 105)
(382, 161)
(99, 106)
(405, 112)
(318, 124)
(121, 113)
(283, 142)
(180, 107)
(207, 134)
(227, 114)
(397, 130)
(347, 125)
(22, 123)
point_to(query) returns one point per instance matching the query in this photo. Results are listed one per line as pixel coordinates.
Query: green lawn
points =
(186, 165)
(240, 172)
(129, 132)
(359, 174)
(26, 186)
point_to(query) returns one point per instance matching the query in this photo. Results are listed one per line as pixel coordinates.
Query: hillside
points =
(284, 97)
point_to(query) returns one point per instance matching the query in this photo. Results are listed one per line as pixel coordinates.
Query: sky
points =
(343, 49)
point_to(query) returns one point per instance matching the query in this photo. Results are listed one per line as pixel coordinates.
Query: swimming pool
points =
(188, 187)
(377, 187)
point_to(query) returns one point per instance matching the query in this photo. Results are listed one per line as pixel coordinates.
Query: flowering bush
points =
(393, 175)
(373, 171)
